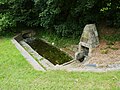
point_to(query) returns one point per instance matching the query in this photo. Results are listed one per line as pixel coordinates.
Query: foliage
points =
(6, 21)
(112, 38)
(64, 17)
(110, 12)
(59, 42)
(68, 17)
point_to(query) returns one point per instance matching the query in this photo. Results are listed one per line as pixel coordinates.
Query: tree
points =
(64, 17)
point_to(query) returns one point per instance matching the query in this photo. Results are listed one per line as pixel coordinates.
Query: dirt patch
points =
(111, 57)
(103, 55)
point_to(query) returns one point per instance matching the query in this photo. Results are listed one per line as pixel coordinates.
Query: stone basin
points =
(41, 55)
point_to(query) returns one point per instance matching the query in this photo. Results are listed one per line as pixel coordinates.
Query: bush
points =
(65, 17)
(6, 21)
(117, 20)
(68, 29)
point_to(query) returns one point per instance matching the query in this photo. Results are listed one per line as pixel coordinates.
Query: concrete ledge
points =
(42, 61)
(27, 56)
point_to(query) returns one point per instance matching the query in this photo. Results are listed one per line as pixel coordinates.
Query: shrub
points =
(65, 17)
(6, 21)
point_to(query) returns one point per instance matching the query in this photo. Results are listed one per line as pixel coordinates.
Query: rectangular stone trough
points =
(37, 61)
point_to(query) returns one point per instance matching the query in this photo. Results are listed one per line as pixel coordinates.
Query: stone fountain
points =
(88, 42)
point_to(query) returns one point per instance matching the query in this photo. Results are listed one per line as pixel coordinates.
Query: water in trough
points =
(53, 54)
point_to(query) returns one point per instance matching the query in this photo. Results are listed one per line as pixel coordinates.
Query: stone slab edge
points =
(44, 62)
(92, 69)
(27, 56)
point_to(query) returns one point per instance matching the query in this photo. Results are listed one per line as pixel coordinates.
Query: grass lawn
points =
(60, 42)
(17, 74)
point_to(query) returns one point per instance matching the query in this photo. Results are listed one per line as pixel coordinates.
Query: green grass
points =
(17, 74)
(58, 41)
(111, 38)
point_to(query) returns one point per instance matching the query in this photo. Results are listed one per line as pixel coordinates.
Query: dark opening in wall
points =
(83, 53)
(85, 50)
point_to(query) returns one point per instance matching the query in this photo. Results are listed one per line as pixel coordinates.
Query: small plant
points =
(110, 43)
(104, 51)
(113, 47)
(41, 59)
(111, 39)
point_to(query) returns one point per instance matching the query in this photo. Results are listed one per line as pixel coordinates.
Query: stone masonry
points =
(88, 41)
